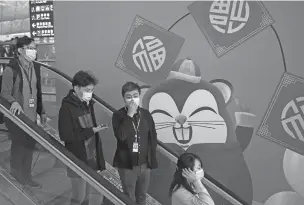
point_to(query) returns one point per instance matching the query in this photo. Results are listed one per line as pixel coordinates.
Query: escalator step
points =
(54, 184)
(5, 201)
(63, 199)
(44, 162)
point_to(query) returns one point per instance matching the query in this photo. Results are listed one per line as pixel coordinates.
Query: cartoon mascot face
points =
(188, 110)
(191, 115)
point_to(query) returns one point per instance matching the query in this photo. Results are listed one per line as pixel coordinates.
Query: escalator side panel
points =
(53, 179)
(103, 116)
(14, 193)
(160, 177)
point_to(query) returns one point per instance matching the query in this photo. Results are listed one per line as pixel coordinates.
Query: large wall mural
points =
(191, 113)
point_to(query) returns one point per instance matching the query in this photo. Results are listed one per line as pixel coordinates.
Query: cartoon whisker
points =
(163, 127)
(195, 125)
(211, 121)
(161, 123)
(203, 123)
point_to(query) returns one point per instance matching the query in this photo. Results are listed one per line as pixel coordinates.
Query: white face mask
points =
(30, 55)
(136, 101)
(87, 96)
(200, 173)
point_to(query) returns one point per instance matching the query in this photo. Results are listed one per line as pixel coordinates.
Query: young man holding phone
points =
(79, 131)
(134, 130)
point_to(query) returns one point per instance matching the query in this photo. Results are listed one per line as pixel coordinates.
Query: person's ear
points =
(19, 50)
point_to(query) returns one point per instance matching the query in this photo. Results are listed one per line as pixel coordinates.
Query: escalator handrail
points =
(59, 151)
(216, 185)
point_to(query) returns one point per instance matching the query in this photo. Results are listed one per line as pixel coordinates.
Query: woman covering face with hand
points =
(187, 188)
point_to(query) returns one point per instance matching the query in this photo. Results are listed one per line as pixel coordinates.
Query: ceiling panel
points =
(14, 17)
(16, 26)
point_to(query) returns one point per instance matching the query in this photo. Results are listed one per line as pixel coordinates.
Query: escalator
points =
(50, 161)
(55, 87)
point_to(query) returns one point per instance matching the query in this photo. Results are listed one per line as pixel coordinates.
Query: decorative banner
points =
(149, 51)
(283, 122)
(227, 24)
(41, 18)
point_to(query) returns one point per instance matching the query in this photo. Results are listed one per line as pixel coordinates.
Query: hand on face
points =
(132, 100)
(191, 176)
(132, 107)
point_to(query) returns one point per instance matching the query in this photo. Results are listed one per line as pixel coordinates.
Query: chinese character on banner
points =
(41, 18)
(149, 51)
(283, 121)
(227, 24)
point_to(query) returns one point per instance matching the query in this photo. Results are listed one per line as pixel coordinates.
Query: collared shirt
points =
(27, 95)
(141, 157)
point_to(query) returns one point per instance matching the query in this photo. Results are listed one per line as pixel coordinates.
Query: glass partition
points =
(160, 177)
(55, 86)
(35, 168)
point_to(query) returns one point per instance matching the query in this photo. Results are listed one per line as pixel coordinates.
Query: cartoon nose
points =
(181, 119)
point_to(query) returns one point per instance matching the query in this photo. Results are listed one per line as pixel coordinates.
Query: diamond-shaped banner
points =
(149, 51)
(283, 121)
(227, 24)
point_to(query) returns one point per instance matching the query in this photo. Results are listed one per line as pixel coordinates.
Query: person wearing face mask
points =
(21, 86)
(135, 156)
(79, 131)
(187, 187)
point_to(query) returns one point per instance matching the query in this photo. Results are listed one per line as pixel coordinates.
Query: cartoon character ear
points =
(143, 89)
(225, 87)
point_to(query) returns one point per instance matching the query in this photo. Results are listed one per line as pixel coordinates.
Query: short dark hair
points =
(24, 41)
(128, 87)
(84, 78)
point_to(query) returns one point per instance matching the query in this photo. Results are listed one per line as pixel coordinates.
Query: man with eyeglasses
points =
(21, 86)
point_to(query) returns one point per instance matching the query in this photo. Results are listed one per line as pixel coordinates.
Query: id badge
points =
(135, 146)
(31, 102)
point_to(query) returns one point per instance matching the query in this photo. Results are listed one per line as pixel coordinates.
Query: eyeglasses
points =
(33, 49)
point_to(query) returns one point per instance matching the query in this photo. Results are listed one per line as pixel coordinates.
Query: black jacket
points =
(74, 134)
(125, 135)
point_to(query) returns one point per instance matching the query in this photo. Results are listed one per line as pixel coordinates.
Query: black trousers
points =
(135, 182)
(21, 162)
(22, 149)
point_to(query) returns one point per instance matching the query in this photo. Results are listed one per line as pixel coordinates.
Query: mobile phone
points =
(104, 125)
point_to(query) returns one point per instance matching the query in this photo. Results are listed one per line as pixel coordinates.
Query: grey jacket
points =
(12, 84)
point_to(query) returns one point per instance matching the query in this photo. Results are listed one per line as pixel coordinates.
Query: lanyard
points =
(28, 78)
(136, 128)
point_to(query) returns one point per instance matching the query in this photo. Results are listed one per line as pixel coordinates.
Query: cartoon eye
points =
(202, 109)
(162, 112)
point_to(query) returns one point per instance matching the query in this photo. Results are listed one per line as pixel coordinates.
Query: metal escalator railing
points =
(89, 175)
(208, 180)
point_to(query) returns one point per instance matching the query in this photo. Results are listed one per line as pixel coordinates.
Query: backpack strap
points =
(37, 69)
(16, 72)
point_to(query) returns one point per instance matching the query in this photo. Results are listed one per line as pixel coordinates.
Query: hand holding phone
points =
(104, 126)
(99, 128)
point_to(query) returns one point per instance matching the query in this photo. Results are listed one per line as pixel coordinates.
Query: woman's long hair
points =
(185, 161)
